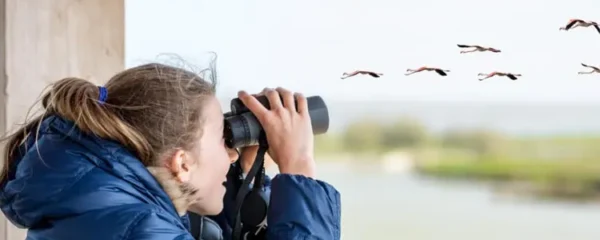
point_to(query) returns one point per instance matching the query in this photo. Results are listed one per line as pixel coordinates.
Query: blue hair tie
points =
(102, 95)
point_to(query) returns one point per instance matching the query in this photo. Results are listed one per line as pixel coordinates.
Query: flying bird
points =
(370, 73)
(573, 23)
(512, 76)
(594, 69)
(477, 48)
(439, 71)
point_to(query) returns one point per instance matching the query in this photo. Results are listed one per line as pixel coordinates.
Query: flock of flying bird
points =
(573, 23)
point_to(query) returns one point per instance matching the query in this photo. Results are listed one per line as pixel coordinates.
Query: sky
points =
(306, 45)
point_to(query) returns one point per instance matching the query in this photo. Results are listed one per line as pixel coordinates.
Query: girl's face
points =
(205, 167)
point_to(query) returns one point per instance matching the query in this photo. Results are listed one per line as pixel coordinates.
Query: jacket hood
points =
(66, 172)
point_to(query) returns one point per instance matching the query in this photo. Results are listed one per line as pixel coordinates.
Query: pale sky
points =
(306, 46)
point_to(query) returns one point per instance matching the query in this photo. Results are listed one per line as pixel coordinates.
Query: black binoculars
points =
(243, 129)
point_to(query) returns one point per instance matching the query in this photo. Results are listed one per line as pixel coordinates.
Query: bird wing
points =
(464, 46)
(440, 72)
(573, 22)
(373, 74)
(592, 67)
(366, 72)
(597, 28)
(511, 76)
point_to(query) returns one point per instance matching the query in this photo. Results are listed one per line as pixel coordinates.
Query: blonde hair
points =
(151, 109)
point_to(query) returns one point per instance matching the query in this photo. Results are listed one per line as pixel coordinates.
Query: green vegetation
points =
(371, 137)
(557, 166)
(563, 179)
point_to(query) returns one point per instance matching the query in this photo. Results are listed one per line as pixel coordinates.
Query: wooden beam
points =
(45, 41)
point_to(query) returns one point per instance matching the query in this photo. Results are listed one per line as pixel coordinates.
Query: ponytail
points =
(79, 101)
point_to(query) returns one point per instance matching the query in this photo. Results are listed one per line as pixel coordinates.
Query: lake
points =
(380, 205)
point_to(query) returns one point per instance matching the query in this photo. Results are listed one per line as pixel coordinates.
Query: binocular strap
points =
(257, 166)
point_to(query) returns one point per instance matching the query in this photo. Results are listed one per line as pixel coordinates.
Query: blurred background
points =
(419, 157)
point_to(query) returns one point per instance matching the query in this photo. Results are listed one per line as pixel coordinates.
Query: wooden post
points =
(44, 41)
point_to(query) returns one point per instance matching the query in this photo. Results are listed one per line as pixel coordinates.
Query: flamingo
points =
(477, 48)
(594, 69)
(573, 23)
(370, 73)
(512, 76)
(439, 71)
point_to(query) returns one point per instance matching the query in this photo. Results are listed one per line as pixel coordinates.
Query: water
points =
(376, 205)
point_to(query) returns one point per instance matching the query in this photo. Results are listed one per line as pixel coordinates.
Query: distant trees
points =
(373, 136)
(403, 133)
(369, 135)
(363, 136)
(482, 142)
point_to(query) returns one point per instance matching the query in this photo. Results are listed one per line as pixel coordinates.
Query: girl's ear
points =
(180, 166)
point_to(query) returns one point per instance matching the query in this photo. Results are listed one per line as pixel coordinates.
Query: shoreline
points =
(543, 180)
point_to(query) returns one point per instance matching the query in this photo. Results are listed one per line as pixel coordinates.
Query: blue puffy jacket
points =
(77, 186)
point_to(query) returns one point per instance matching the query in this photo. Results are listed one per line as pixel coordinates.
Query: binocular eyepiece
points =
(243, 129)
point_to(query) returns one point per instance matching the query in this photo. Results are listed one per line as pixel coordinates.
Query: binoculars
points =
(243, 129)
